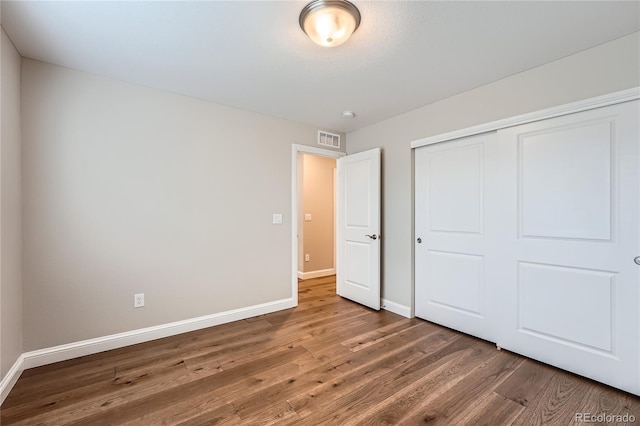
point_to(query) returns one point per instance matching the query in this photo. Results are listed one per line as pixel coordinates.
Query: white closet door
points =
(528, 238)
(570, 290)
(453, 262)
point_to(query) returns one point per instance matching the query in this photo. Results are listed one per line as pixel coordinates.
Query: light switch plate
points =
(277, 218)
(307, 217)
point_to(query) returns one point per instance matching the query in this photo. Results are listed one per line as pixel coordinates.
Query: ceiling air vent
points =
(328, 139)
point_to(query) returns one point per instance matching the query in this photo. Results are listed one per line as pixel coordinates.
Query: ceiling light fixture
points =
(329, 22)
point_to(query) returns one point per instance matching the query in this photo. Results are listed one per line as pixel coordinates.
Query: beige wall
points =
(10, 209)
(318, 200)
(607, 68)
(128, 190)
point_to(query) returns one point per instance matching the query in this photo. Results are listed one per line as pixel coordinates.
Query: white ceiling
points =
(253, 55)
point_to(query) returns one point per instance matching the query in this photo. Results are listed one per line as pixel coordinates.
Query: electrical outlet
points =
(138, 300)
(306, 257)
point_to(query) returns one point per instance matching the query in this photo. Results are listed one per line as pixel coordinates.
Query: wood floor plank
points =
(601, 399)
(323, 289)
(361, 398)
(378, 335)
(327, 345)
(492, 410)
(209, 404)
(354, 325)
(223, 414)
(325, 351)
(415, 340)
(236, 358)
(293, 316)
(404, 392)
(249, 406)
(558, 402)
(327, 361)
(526, 383)
(187, 391)
(235, 353)
(466, 394)
(29, 390)
(63, 408)
(278, 414)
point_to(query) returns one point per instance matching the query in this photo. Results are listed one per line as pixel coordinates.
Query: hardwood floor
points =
(328, 361)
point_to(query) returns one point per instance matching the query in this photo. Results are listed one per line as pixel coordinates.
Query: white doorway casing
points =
(298, 150)
(357, 221)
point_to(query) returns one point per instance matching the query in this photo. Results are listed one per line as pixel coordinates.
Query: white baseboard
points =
(316, 274)
(10, 379)
(396, 308)
(114, 341)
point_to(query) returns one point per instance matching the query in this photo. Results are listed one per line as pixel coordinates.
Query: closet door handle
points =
(419, 240)
(373, 237)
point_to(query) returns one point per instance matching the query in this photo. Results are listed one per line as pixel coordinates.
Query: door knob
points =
(373, 237)
(419, 240)
(637, 260)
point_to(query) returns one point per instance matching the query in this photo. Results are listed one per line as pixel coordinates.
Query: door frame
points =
(297, 149)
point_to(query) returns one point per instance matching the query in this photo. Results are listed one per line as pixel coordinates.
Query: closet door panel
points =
(572, 297)
(451, 239)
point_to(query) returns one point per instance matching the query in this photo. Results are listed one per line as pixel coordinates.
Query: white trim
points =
(295, 150)
(316, 274)
(583, 105)
(306, 149)
(101, 344)
(396, 308)
(10, 379)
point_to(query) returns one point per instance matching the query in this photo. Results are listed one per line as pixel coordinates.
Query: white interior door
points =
(358, 271)
(571, 292)
(453, 252)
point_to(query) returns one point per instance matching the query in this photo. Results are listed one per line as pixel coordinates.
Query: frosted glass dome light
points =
(329, 22)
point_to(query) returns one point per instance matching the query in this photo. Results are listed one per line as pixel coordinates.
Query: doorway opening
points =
(316, 216)
(313, 214)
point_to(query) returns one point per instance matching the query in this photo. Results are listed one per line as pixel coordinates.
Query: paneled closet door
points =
(570, 290)
(454, 255)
